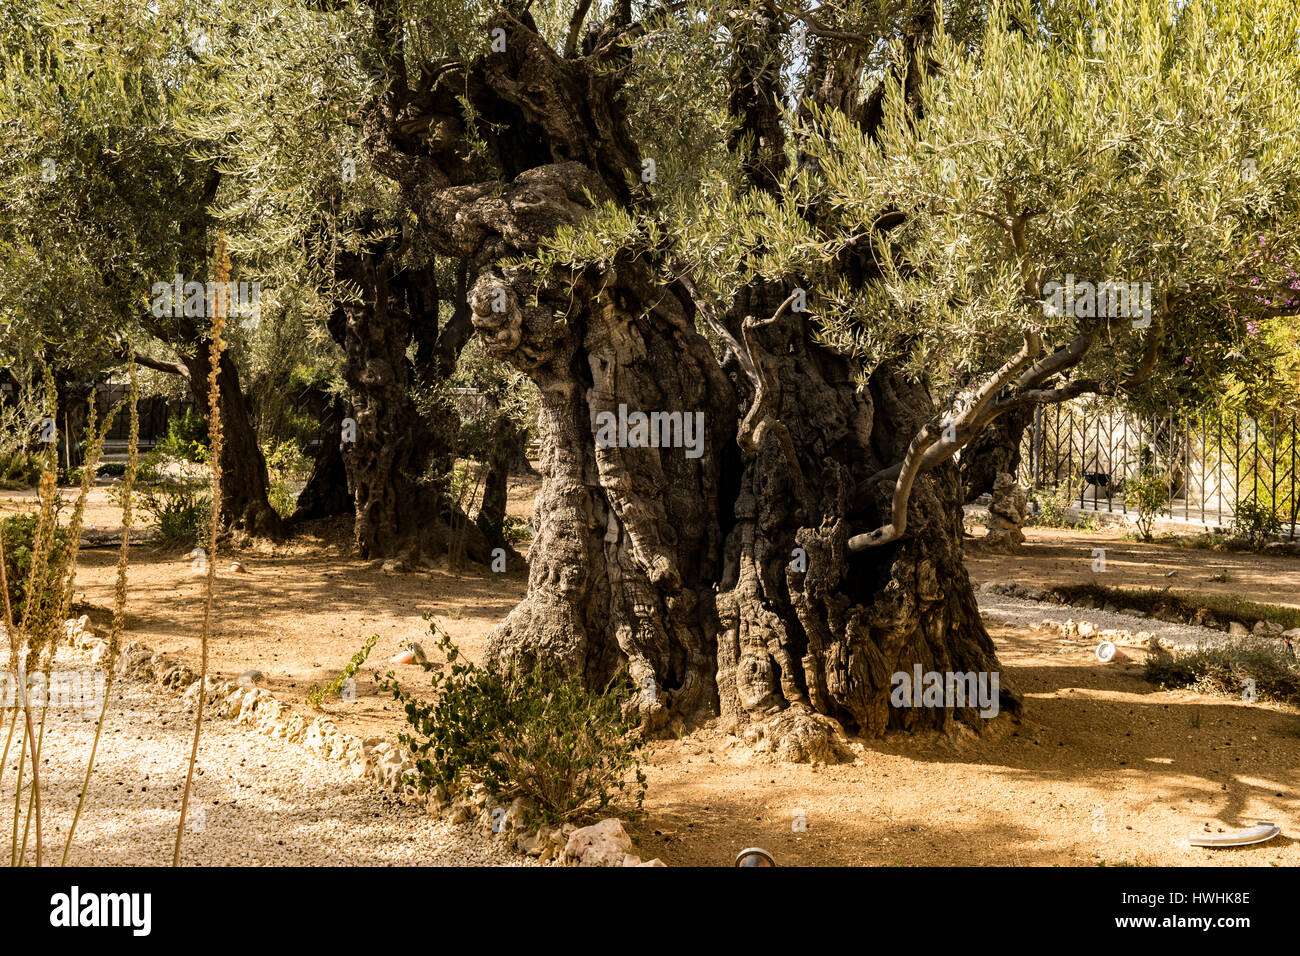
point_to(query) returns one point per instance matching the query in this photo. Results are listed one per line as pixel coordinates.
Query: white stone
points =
(602, 844)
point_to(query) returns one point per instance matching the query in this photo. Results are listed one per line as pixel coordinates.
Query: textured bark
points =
(628, 541)
(326, 493)
(807, 624)
(996, 450)
(244, 481)
(642, 555)
(398, 455)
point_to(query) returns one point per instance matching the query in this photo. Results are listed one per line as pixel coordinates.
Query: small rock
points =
(515, 815)
(602, 844)
(1237, 629)
(530, 844)
(237, 568)
(437, 800)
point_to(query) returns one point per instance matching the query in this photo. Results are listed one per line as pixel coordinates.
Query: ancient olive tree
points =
(834, 245)
(340, 248)
(107, 202)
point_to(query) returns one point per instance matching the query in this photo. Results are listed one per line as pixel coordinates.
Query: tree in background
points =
(106, 199)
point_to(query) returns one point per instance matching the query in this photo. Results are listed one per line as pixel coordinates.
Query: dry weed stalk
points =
(119, 595)
(219, 305)
(49, 590)
(48, 626)
(33, 631)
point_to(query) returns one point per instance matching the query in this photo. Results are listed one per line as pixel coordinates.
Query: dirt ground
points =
(1103, 768)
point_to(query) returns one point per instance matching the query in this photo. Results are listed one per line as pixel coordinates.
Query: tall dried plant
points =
(50, 586)
(33, 627)
(220, 302)
(119, 594)
(14, 651)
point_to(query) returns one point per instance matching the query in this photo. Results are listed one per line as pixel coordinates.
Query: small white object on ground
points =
(237, 568)
(1105, 651)
(1261, 831)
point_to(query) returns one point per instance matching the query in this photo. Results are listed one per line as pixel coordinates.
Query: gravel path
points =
(255, 800)
(1023, 613)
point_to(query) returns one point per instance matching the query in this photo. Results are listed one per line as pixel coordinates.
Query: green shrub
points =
(572, 753)
(515, 529)
(186, 438)
(1051, 503)
(112, 469)
(1149, 495)
(180, 512)
(19, 468)
(19, 540)
(286, 466)
(1225, 668)
(1256, 521)
(150, 469)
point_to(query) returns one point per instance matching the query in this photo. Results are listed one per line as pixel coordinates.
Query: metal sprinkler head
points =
(755, 856)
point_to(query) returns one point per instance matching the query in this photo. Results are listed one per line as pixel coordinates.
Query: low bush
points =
(186, 438)
(1148, 494)
(19, 468)
(180, 512)
(1256, 521)
(19, 541)
(316, 693)
(573, 753)
(1052, 504)
(286, 468)
(1226, 668)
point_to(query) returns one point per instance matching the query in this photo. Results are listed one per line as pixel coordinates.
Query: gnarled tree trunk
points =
(994, 451)
(244, 480)
(395, 457)
(680, 567)
(326, 493)
(507, 449)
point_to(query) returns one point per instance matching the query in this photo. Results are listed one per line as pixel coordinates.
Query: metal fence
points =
(154, 414)
(1212, 460)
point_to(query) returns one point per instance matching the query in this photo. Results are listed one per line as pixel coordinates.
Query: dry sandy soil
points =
(1103, 768)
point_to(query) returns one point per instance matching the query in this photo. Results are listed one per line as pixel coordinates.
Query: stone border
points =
(385, 765)
(1203, 618)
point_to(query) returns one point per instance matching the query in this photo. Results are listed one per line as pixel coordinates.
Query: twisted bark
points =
(680, 568)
